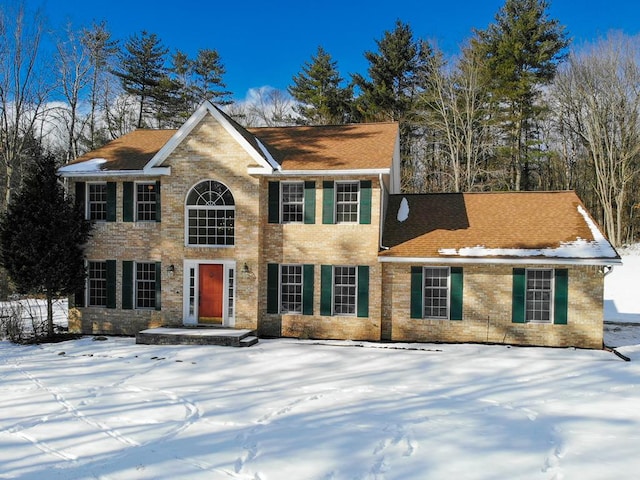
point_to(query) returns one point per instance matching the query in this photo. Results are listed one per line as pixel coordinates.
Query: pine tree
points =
(208, 84)
(142, 67)
(42, 235)
(322, 99)
(520, 52)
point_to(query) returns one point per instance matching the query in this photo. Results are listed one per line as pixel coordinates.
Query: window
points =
(347, 201)
(97, 201)
(436, 292)
(211, 215)
(146, 201)
(539, 295)
(291, 289)
(344, 290)
(97, 284)
(145, 286)
(292, 199)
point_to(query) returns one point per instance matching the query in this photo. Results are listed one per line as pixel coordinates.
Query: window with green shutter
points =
(437, 293)
(540, 295)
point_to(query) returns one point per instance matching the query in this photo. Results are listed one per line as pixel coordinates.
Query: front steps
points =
(228, 337)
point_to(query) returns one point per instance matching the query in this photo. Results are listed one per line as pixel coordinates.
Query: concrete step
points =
(197, 336)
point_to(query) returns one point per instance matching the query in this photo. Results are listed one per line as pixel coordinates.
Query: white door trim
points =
(190, 290)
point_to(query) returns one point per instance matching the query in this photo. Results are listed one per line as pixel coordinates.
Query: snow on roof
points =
(93, 165)
(599, 247)
(403, 210)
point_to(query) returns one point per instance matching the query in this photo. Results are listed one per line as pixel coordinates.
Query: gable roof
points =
(129, 152)
(368, 146)
(305, 149)
(514, 227)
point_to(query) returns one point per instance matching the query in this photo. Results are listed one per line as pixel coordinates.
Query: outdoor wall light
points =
(171, 268)
(245, 269)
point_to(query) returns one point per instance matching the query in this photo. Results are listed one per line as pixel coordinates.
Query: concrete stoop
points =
(228, 337)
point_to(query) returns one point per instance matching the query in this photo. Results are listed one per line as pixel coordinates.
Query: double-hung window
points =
(437, 292)
(146, 201)
(540, 295)
(292, 201)
(97, 284)
(347, 202)
(97, 201)
(344, 290)
(291, 289)
(145, 285)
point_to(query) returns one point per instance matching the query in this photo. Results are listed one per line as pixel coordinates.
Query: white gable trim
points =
(207, 108)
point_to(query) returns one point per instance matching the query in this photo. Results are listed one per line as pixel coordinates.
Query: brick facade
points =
(211, 152)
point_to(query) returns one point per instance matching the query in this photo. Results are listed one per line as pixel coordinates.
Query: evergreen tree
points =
(398, 74)
(42, 235)
(322, 99)
(520, 52)
(142, 67)
(208, 83)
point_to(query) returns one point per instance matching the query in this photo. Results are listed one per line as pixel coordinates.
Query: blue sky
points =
(266, 43)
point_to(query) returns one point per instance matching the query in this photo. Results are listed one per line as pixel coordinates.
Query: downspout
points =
(383, 201)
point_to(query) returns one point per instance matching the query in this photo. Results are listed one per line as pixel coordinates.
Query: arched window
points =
(210, 214)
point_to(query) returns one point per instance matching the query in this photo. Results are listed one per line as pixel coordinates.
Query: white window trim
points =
(552, 296)
(87, 289)
(280, 310)
(135, 201)
(424, 303)
(135, 286)
(87, 202)
(281, 206)
(333, 292)
(188, 207)
(227, 320)
(335, 201)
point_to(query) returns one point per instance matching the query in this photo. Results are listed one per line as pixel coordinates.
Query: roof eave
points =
(353, 171)
(146, 172)
(602, 261)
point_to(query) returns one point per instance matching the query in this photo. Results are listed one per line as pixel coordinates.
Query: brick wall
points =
(320, 244)
(487, 298)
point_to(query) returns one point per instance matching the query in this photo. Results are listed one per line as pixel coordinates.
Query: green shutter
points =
(327, 203)
(457, 281)
(417, 294)
(81, 196)
(365, 202)
(519, 295)
(310, 203)
(272, 287)
(561, 298)
(363, 291)
(274, 202)
(80, 294)
(111, 201)
(326, 289)
(158, 285)
(111, 284)
(127, 285)
(158, 202)
(127, 202)
(307, 289)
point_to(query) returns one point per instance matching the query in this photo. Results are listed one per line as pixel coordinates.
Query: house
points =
(303, 232)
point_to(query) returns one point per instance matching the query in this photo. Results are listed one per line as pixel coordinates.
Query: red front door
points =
(210, 293)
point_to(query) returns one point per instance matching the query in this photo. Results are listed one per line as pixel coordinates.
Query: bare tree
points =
(456, 112)
(264, 107)
(22, 89)
(598, 101)
(74, 67)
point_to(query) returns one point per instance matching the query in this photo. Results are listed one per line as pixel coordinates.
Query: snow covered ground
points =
(287, 409)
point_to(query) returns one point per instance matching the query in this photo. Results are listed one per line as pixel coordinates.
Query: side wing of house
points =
(514, 268)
